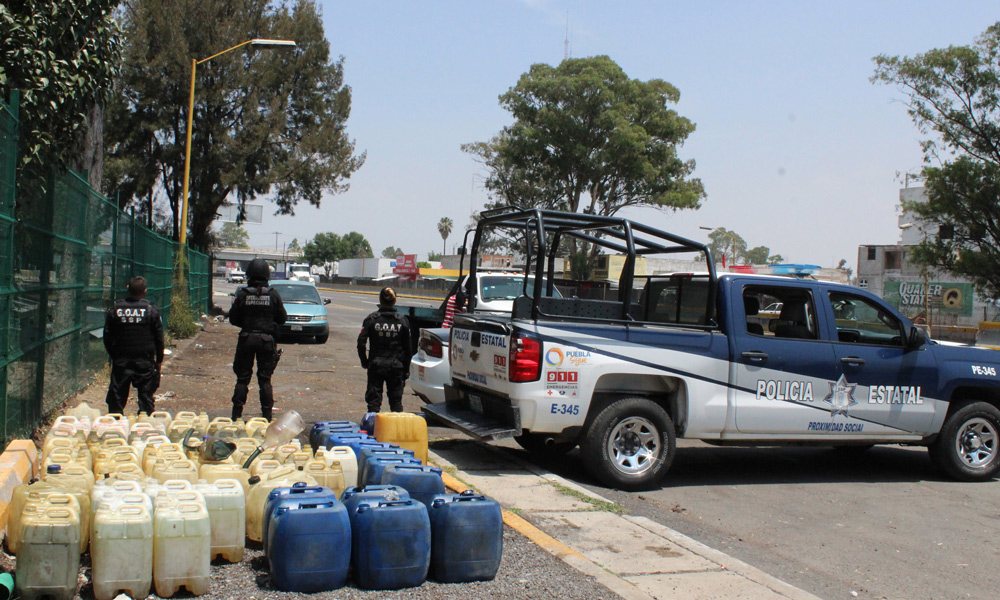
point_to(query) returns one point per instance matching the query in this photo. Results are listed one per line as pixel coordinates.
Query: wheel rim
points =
(634, 445)
(976, 443)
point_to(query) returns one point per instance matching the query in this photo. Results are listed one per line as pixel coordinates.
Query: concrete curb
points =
(561, 551)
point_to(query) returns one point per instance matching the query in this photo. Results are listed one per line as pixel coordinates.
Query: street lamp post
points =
(258, 42)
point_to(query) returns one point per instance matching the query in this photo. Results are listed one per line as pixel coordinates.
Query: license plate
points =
(476, 404)
(296, 328)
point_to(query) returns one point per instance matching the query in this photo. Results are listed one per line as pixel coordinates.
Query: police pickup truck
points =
(693, 355)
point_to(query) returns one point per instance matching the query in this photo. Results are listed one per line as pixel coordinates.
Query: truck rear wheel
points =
(968, 447)
(630, 444)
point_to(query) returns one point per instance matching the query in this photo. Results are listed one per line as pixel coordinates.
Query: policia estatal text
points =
(388, 333)
(133, 337)
(257, 310)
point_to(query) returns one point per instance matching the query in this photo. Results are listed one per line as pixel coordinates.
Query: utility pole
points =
(276, 234)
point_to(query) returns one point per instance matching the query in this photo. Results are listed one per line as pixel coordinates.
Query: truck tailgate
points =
(480, 349)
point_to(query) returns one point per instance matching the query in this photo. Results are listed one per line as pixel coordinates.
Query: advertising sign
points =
(406, 266)
(946, 298)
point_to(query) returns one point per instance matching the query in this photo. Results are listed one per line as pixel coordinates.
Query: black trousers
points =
(250, 347)
(142, 375)
(394, 379)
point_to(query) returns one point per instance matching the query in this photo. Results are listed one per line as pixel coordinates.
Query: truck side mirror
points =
(916, 338)
(326, 300)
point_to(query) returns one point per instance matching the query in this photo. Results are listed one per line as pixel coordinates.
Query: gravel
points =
(526, 571)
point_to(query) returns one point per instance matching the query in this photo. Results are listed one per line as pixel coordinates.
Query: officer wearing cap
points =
(388, 334)
(257, 310)
(133, 337)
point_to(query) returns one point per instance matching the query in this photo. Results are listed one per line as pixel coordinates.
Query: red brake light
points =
(525, 359)
(431, 346)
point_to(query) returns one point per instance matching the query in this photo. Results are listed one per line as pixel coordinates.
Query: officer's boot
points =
(237, 412)
(266, 412)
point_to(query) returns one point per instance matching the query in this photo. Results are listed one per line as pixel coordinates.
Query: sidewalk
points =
(634, 557)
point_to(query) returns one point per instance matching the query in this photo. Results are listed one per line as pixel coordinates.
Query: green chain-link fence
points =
(66, 254)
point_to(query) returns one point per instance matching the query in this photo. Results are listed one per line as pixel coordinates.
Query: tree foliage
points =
(445, 225)
(730, 244)
(231, 235)
(434, 256)
(391, 252)
(266, 121)
(63, 57)
(953, 97)
(294, 246)
(327, 248)
(587, 138)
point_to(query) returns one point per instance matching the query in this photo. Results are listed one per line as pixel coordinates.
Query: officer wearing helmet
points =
(257, 310)
(388, 334)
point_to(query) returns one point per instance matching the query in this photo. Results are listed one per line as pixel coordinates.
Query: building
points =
(946, 304)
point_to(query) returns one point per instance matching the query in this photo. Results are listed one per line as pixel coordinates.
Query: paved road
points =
(880, 523)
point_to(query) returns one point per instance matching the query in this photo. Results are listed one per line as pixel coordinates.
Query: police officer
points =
(257, 310)
(388, 334)
(133, 337)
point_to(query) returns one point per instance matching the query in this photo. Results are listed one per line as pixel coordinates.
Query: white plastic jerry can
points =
(48, 562)
(121, 551)
(226, 504)
(182, 543)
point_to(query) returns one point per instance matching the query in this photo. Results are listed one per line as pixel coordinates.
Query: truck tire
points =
(968, 446)
(630, 444)
(321, 339)
(542, 444)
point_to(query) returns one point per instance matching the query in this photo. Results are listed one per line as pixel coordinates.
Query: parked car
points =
(429, 368)
(306, 310)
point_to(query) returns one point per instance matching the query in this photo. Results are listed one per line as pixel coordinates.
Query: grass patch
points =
(515, 510)
(601, 505)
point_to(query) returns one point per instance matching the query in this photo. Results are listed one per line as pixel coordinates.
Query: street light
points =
(259, 42)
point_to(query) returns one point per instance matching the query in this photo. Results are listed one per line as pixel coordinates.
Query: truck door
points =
(782, 364)
(891, 379)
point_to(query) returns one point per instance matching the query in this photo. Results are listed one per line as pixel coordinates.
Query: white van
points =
(236, 275)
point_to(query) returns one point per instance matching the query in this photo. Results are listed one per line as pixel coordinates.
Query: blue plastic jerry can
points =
(371, 494)
(298, 493)
(467, 534)
(367, 454)
(390, 544)
(377, 464)
(310, 547)
(423, 482)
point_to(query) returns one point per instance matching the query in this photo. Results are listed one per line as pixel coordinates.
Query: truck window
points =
(861, 321)
(788, 311)
(682, 300)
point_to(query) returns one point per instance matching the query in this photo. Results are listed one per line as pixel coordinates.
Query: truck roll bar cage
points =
(544, 229)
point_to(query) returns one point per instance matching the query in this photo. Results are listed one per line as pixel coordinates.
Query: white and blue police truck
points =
(658, 357)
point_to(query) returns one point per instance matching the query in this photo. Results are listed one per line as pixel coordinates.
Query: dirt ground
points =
(320, 381)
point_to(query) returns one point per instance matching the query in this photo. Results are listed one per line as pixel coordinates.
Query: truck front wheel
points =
(968, 447)
(630, 444)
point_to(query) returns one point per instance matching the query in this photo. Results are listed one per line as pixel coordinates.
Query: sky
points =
(797, 150)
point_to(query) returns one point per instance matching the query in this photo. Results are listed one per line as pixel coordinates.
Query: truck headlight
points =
(319, 318)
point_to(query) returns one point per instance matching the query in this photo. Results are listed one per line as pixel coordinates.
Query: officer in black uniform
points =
(388, 333)
(257, 310)
(133, 337)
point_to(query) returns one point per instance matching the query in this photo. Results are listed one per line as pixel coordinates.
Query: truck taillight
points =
(525, 359)
(431, 346)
